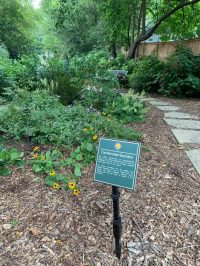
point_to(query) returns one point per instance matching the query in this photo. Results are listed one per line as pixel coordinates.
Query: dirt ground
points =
(160, 219)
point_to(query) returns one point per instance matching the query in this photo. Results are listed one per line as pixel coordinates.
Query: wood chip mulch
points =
(161, 218)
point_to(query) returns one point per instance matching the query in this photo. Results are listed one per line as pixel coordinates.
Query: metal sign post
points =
(116, 165)
(117, 227)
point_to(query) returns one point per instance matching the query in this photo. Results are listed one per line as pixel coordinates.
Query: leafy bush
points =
(9, 157)
(65, 89)
(178, 76)
(97, 98)
(146, 74)
(126, 108)
(181, 76)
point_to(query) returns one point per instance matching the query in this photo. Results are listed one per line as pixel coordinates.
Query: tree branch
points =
(150, 31)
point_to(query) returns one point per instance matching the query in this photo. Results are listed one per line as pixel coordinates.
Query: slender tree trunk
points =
(133, 25)
(128, 32)
(112, 50)
(144, 7)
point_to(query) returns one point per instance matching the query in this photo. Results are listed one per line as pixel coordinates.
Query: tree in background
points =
(86, 24)
(156, 12)
(77, 22)
(16, 24)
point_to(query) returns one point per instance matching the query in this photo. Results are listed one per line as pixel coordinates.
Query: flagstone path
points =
(185, 127)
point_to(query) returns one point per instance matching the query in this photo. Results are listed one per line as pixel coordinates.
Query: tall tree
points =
(15, 23)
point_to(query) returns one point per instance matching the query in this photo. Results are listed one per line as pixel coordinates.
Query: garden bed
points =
(54, 227)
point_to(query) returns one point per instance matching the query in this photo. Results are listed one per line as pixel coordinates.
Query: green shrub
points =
(65, 90)
(146, 74)
(181, 76)
(126, 108)
(97, 98)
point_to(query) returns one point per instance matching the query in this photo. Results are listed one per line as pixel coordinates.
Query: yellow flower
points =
(52, 173)
(76, 192)
(85, 129)
(42, 157)
(91, 128)
(71, 185)
(36, 148)
(117, 146)
(103, 113)
(55, 186)
(35, 156)
(94, 137)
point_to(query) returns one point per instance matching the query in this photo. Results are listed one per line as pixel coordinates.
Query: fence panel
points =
(163, 49)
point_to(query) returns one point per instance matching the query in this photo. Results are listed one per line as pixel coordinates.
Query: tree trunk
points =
(112, 50)
(144, 36)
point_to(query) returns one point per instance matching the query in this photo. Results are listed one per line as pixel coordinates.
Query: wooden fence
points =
(163, 49)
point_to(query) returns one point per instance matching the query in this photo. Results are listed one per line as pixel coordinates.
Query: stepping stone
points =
(146, 99)
(159, 103)
(168, 108)
(194, 156)
(187, 124)
(186, 136)
(180, 115)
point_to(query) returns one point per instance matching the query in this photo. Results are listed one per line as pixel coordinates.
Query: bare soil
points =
(161, 218)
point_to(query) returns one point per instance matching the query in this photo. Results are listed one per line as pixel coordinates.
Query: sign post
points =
(117, 226)
(116, 165)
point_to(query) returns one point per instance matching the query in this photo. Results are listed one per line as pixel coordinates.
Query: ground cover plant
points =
(9, 157)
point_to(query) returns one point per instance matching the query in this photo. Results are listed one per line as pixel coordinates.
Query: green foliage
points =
(9, 157)
(97, 98)
(146, 74)
(51, 164)
(77, 22)
(65, 90)
(19, 73)
(126, 108)
(41, 118)
(16, 22)
(178, 76)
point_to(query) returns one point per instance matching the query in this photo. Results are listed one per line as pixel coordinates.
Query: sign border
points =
(136, 163)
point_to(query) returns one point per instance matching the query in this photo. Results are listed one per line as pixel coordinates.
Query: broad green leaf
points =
(89, 146)
(77, 172)
(69, 161)
(4, 172)
(37, 168)
(79, 157)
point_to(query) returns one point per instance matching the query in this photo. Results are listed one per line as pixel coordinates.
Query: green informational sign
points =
(116, 163)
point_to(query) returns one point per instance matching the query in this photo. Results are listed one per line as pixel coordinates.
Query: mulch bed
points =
(161, 218)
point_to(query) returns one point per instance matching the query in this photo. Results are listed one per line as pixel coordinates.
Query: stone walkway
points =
(185, 127)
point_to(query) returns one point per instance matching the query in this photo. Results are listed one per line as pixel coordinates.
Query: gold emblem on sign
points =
(117, 146)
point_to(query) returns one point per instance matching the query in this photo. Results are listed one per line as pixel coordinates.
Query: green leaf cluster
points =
(9, 157)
